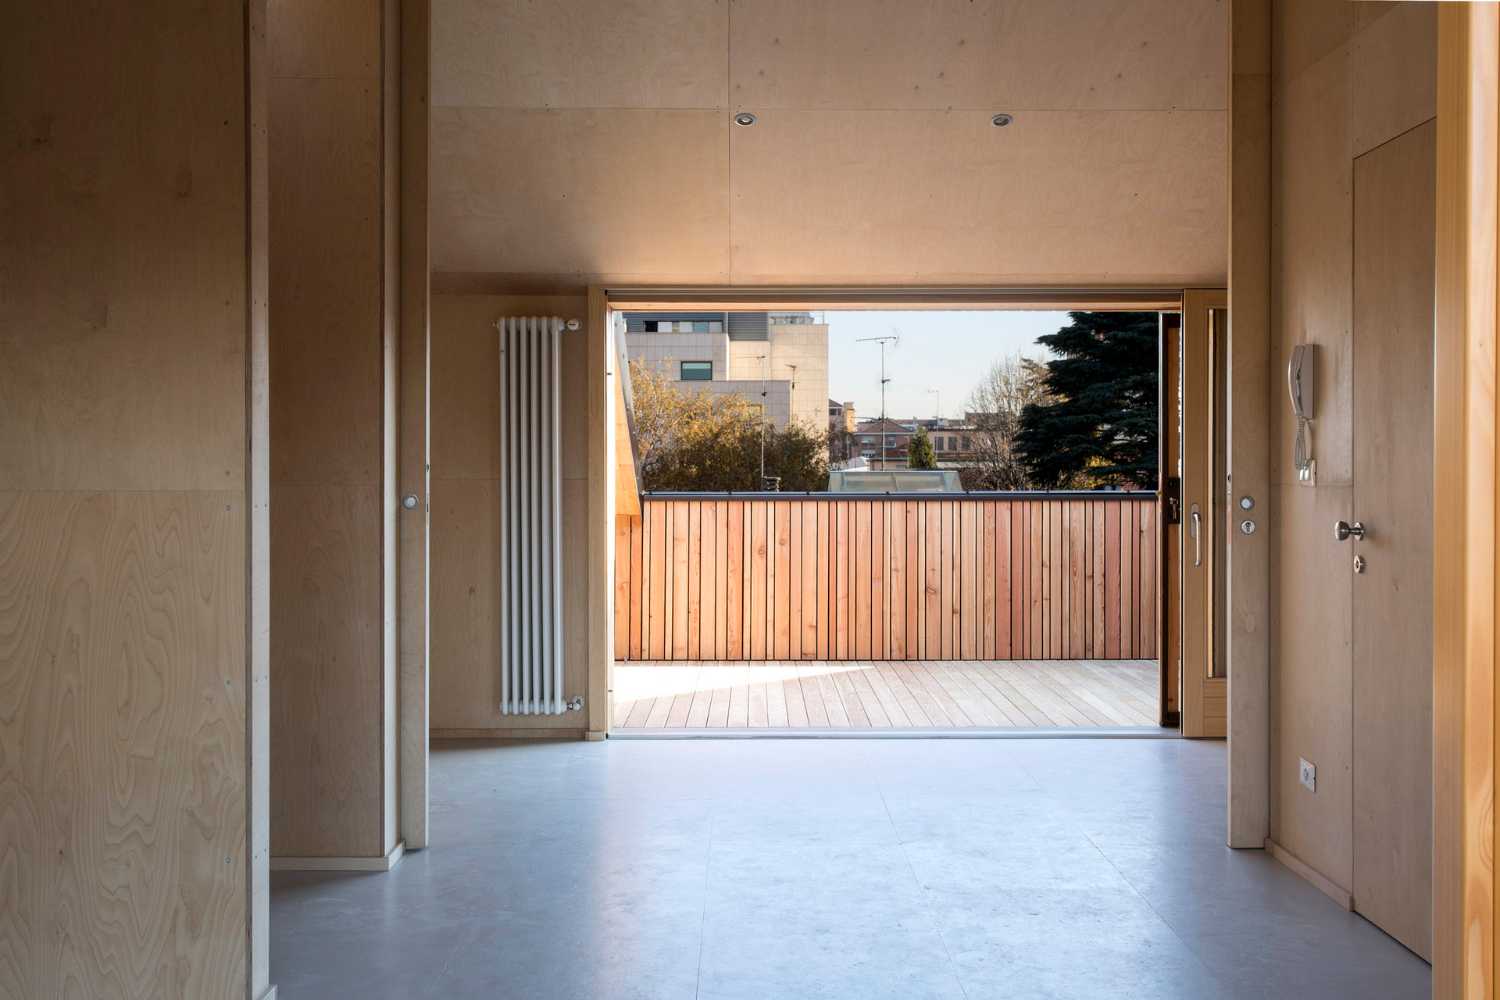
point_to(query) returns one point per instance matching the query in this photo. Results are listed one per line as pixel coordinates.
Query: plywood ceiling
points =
(584, 139)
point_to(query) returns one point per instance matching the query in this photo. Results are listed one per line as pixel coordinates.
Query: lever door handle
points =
(1343, 531)
(1197, 536)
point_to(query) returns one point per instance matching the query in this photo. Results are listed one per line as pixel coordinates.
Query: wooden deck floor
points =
(988, 694)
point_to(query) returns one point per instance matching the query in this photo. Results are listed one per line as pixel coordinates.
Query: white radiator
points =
(531, 654)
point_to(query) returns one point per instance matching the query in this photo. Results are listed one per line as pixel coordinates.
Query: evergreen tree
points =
(919, 453)
(1099, 425)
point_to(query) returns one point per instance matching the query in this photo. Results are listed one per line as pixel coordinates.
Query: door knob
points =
(1343, 531)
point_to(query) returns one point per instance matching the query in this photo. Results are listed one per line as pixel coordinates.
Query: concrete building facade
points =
(775, 360)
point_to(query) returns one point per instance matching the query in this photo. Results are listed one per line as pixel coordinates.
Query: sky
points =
(947, 351)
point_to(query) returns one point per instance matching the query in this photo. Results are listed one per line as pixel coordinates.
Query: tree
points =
(703, 442)
(919, 453)
(994, 411)
(1098, 426)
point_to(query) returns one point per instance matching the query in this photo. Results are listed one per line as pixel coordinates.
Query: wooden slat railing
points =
(1028, 576)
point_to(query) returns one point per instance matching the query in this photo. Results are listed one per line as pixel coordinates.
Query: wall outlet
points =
(1307, 774)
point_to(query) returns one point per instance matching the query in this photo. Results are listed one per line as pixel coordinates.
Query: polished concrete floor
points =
(803, 869)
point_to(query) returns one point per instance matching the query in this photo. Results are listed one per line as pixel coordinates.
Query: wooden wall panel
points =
(889, 579)
(465, 570)
(122, 637)
(1325, 59)
(466, 593)
(325, 654)
(131, 339)
(334, 228)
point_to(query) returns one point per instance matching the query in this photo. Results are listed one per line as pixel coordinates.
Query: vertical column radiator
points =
(531, 653)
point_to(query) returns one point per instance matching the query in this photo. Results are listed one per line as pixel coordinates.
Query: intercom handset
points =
(1300, 376)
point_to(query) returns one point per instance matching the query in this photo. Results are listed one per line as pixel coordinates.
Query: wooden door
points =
(1394, 198)
(1204, 685)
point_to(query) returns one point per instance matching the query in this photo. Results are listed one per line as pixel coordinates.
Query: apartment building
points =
(776, 360)
(884, 442)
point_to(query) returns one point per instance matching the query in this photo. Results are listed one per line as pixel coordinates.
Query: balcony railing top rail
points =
(966, 495)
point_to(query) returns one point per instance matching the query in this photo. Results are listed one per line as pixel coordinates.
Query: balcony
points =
(1030, 610)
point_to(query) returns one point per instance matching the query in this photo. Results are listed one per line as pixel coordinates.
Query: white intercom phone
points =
(1300, 376)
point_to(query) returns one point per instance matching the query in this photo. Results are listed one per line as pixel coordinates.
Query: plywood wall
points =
(124, 337)
(873, 160)
(1347, 78)
(464, 675)
(329, 448)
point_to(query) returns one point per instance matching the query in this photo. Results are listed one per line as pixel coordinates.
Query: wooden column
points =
(415, 407)
(1464, 507)
(601, 511)
(335, 291)
(1250, 394)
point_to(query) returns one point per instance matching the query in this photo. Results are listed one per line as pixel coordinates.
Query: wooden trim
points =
(730, 298)
(385, 863)
(258, 496)
(599, 398)
(510, 733)
(414, 443)
(1464, 507)
(390, 415)
(1325, 885)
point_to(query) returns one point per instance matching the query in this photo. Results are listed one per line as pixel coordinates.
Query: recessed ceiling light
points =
(744, 118)
(1001, 120)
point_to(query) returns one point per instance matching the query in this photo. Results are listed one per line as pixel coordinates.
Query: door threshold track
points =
(972, 733)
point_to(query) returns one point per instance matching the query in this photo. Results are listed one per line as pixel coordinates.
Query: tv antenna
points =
(892, 339)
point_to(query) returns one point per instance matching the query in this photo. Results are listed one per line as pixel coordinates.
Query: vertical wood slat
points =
(872, 579)
(779, 643)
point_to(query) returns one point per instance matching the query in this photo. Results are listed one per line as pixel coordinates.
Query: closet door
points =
(1389, 549)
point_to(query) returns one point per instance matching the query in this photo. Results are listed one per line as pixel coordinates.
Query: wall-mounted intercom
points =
(1300, 379)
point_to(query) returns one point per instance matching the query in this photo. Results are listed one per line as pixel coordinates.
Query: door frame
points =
(607, 300)
(1201, 381)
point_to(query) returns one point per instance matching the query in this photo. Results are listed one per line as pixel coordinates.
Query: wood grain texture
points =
(869, 695)
(122, 736)
(465, 570)
(132, 379)
(499, 54)
(466, 591)
(1392, 614)
(1117, 177)
(960, 54)
(334, 305)
(124, 239)
(1465, 486)
(326, 691)
(415, 405)
(889, 580)
(589, 596)
(1323, 92)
